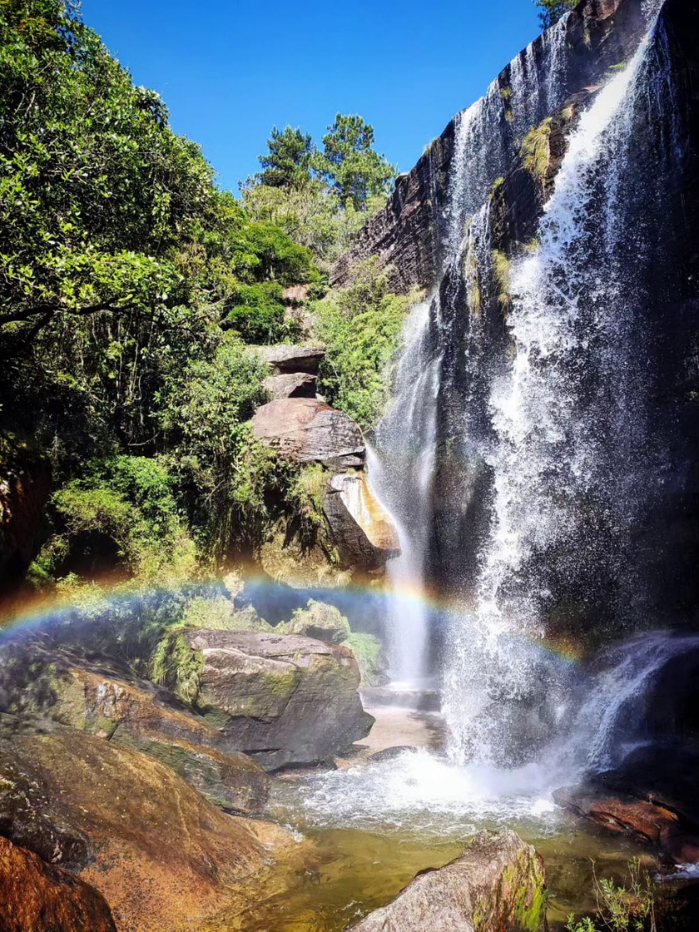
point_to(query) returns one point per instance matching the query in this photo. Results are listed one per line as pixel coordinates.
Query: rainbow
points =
(35, 614)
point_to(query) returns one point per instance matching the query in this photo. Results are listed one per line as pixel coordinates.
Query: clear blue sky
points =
(230, 70)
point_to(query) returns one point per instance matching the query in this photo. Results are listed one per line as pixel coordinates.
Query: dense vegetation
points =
(129, 286)
(552, 10)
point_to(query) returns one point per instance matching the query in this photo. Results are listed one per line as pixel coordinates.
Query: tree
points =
(349, 163)
(553, 10)
(287, 163)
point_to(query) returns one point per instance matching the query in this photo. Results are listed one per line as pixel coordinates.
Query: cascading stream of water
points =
(570, 437)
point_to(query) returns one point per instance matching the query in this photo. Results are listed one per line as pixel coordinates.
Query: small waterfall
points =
(401, 470)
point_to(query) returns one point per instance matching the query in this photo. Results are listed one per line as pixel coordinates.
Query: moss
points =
(501, 271)
(367, 651)
(176, 665)
(535, 150)
(497, 184)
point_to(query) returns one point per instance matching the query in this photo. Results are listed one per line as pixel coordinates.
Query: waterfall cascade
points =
(533, 409)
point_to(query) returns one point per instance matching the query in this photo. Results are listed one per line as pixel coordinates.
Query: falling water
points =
(570, 440)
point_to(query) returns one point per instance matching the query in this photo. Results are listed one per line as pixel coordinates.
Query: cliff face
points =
(556, 223)
(409, 234)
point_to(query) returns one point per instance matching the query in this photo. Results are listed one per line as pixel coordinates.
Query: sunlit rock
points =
(306, 430)
(360, 526)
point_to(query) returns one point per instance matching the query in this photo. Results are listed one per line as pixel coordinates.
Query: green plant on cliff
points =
(536, 153)
(176, 665)
(552, 10)
(361, 327)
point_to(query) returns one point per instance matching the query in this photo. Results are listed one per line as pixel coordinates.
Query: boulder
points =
(282, 699)
(306, 430)
(291, 385)
(286, 358)
(497, 885)
(318, 620)
(361, 528)
(37, 897)
(162, 855)
(111, 703)
(647, 822)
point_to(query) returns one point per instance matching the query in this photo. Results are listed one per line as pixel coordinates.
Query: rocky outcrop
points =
(497, 885)
(24, 491)
(319, 621)
(37, 897)
(361, 528)
(308, 431)
(290, 385)
(111, 703)
(408, 236)
(285, 358)
(163, 857)
(282, 699)
(647, 822)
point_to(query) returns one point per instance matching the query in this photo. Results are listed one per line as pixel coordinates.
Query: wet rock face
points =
(282, 699)
(163, 856)
(408, 234)
(497, 885)
(39, 897)
(308, 431)
(360, 527)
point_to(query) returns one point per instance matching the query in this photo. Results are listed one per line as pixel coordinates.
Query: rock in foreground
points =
(497, 885)
(306, 430)
(164, 858)
(282, 699)
(37, 897)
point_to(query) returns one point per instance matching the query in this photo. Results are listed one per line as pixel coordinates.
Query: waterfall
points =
(570, 460)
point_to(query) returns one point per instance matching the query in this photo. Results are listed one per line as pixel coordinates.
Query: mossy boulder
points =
(38, 897)
(318, 620)
(282, 699)
(110, 702)
(163, 856)
(497, 885)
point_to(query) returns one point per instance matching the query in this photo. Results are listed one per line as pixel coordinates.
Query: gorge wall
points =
(548, 484)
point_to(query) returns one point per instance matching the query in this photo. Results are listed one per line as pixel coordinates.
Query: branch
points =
(51, 309)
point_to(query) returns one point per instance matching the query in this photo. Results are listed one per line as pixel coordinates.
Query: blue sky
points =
(230, 70)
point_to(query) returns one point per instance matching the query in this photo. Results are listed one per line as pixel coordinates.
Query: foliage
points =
(361, 327)
(287, 163)
(629, 908)
(552, 10)
(176, 666)
(129, 501)
(536, 151)
(351, 165)
(367, 651)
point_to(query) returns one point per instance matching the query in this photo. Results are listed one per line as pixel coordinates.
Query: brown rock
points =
(647, 822)
(497, 885)
(287, 358)
(362, 530)
(133, 713)
(291, 385)
(306, 431)
(36, 897)
(280, 698)
(164, 857)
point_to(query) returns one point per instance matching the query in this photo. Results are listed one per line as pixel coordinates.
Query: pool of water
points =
(376, 825)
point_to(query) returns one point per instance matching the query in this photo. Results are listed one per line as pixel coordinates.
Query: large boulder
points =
(360, 526)
(164, 857)
(282, 699)
(307, 430)
(318, 620)
(286, 358)
(291, 385)
(37, 897)
(111, 703)
(497, 885)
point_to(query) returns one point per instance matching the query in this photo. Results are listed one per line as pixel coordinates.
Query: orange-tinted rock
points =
(306, 430)
(38, 897)
(361, 528)
(164, 857)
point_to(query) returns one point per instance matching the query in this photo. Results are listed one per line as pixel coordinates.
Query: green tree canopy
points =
(287, 162)
(351, 165)
(553, 10)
